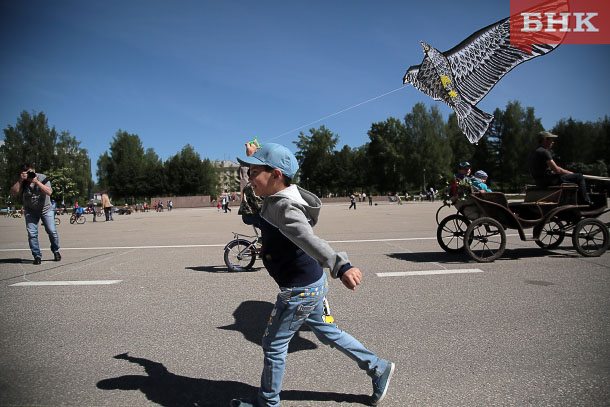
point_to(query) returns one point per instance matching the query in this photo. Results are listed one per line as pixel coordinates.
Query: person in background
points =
(35, 190)
(250, 205)
(546, 172)
(91, 207)
(479, 181)
(107, 206)
(352, 200)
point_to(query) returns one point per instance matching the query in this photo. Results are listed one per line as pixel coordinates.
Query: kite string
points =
(339, 112)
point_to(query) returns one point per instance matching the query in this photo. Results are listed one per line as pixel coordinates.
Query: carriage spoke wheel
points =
(552, 234)
(485, 240)
(590, 237)
(450, 233)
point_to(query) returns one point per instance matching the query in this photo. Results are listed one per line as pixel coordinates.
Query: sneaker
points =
(57, 256)
(381, 384)
(244, 403)
(37, 260)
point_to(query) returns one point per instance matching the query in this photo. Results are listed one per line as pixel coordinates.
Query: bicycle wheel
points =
(57, 221)
(240, 255)
(485, 240)
(551, 234)
(72, 219)
(590, 237)
(81, 219)
(450, 233)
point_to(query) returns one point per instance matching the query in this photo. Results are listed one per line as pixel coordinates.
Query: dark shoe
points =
(381, 384)
(37, 260)
(57, 256)
(244, 403)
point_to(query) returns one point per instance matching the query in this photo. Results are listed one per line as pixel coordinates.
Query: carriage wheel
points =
(485, 240)
(590, 237)
(450, 233)
(552, 234)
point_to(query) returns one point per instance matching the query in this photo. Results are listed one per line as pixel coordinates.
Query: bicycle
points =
(78, 219)
(241, 253)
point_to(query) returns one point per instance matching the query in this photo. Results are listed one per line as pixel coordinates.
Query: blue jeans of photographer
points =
(31, 224)
(293, 308)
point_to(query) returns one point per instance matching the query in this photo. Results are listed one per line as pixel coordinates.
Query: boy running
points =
(294, 257)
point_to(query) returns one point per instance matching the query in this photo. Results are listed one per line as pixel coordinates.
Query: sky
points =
(215, 74)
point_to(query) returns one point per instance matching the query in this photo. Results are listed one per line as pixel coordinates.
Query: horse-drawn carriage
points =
(552, 213)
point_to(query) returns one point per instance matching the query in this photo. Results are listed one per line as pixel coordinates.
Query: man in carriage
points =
(546, 172)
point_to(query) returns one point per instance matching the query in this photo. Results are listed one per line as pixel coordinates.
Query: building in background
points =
(228, 176)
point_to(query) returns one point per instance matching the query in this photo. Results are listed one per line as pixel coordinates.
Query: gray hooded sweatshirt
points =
(292, 253)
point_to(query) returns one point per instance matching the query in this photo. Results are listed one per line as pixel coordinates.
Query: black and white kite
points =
(462, 76)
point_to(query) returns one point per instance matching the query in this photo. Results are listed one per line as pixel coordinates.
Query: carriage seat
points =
(565, 194)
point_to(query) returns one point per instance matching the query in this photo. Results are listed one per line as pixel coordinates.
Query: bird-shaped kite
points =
(462, 76)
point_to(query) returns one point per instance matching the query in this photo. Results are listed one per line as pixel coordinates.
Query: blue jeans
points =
(293, 308)
(31, 225)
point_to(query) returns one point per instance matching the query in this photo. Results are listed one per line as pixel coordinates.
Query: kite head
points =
(425, 47)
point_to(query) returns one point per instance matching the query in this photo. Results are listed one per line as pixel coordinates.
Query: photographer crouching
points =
(36, 191)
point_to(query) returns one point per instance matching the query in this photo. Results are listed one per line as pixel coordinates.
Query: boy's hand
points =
(351, 278)
(251, 147)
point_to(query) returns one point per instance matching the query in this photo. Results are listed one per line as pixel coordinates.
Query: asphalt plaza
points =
(174, 328)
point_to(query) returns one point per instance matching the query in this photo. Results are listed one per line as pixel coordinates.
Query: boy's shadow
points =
(251, 320)
(170, 390)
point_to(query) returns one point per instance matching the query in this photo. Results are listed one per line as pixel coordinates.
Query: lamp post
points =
(424, 188)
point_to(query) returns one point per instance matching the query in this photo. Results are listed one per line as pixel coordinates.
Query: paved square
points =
(176, 329)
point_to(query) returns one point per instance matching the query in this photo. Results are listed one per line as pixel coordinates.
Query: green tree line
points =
(423, 151)
(418, 152)
(129, 172)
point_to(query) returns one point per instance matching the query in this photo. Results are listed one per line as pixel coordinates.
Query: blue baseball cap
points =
(464, 164)
(275, 156)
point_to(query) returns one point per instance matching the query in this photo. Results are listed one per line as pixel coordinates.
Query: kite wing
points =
(481, 60)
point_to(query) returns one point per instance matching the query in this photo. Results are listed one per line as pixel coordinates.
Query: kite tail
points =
(472, 121)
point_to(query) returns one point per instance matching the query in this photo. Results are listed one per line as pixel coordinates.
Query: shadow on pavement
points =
(457, 258)
(219, 269)
(14, 261)
(251, 320)
(170, 390)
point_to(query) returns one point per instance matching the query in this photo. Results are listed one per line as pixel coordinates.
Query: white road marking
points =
(187, 246)
(90, 282)
(427, 272)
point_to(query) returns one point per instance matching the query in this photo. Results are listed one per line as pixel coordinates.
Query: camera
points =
(31, 174)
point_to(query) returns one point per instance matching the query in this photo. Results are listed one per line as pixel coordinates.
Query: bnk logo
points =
(559, 22)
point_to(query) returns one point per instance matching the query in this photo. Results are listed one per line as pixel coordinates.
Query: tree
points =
(517, 131)
(315, 153)
(69, 154)
(461, 149)
(154, 174)
(429, 148)
(65, 188)
(387, 153)
(32, 141)
(122, 171)
(187, 174)
(345, 179)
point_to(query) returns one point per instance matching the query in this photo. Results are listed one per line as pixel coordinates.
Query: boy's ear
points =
(277, 173)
